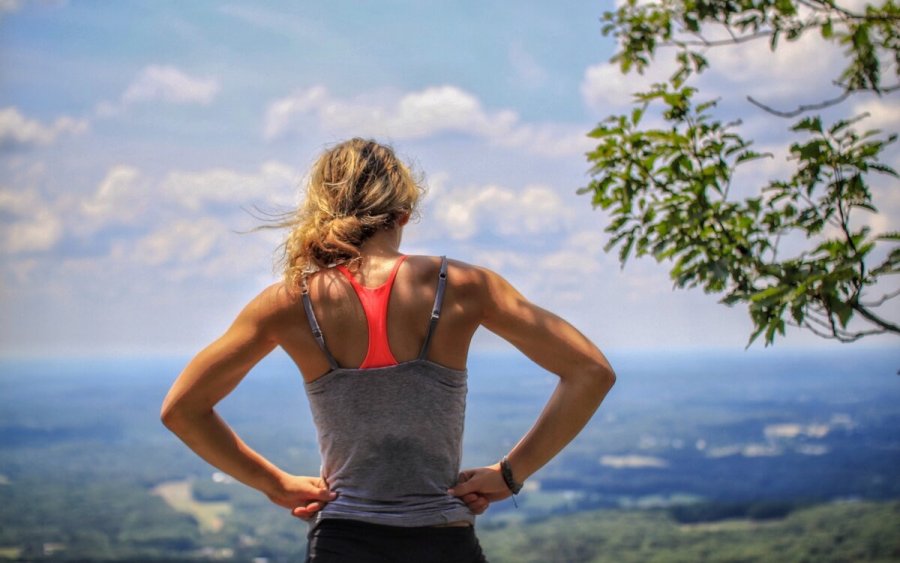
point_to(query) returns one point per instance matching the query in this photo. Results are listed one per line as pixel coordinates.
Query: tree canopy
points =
(667, 188)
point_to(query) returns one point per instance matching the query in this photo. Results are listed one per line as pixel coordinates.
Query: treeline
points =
(715, 511)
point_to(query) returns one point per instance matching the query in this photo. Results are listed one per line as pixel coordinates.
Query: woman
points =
(381, 340)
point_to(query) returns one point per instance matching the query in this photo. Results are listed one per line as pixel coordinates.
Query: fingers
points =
(308, 511)
(467, 483)
(325, 495)
(464, 486)
(476, 503)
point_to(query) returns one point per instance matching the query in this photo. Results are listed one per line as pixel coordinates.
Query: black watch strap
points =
(508, 476)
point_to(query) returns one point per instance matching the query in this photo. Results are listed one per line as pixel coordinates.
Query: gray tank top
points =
(391, 437)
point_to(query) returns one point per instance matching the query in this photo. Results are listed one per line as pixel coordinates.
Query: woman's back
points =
(343, 321)
(390, 434)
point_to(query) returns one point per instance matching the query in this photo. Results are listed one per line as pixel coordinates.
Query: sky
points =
(137, 138)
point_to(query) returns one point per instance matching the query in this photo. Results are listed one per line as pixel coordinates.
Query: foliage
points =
(831, 532)
(714, 511)
(668, 188)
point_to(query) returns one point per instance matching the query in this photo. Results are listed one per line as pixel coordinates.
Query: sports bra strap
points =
(317, 332)
(435, 315)
(436, 310)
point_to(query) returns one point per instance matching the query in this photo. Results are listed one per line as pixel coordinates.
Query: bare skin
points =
(474, 297)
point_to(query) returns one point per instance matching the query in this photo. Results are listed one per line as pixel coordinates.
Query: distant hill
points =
(851, 531)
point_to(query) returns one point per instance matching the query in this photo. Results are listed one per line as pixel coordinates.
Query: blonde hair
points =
(355, 189)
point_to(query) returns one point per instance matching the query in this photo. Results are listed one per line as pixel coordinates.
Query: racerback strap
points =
(436, 310)
(435, 315)
(317, 332)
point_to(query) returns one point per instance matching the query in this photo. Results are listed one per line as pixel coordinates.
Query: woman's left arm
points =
(188, 411)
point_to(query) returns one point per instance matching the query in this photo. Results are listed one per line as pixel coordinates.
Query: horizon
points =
(278, 356)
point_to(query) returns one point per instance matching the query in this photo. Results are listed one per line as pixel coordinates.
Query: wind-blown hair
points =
(355, 189)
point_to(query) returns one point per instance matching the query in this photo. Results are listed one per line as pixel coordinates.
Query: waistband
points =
(350, 525)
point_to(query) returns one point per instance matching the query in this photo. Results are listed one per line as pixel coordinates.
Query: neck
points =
(384, 244)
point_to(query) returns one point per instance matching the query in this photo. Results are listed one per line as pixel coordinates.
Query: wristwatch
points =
(508, 477)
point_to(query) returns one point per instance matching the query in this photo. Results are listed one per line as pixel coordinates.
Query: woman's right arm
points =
(585, 377)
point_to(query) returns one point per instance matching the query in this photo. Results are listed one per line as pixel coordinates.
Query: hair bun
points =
(355, 189)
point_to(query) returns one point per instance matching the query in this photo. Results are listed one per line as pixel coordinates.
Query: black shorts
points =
(336, 540)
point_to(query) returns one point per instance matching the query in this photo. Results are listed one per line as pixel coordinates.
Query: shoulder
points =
(272, 304)
(459, 273)
(465, 280)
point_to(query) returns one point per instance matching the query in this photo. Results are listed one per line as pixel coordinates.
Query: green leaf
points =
(636, 115)
(843, 311)
(813, 123)
(768, 295)
(625, 250)
(884, 169)
(755, 334)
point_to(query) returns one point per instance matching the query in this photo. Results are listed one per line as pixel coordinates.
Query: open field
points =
(209, 515)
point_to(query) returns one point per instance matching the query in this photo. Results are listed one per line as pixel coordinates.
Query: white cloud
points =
(468, 211)
(275, 183)
(783, 78)
(34, 227)
(787, 75)
(182, 249)
(126, 196)
(760, 450)
(17, 131)
(548, 139)
(632, 461)
(181, 241)
(416, 115)
(884, 113)
(162, 83)
(168, 84)
(794, 430)
(499, 260)
(605, 89)
(121, 196)
(886, 199)
(580, 254)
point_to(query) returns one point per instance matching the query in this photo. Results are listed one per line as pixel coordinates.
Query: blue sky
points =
(132, 134)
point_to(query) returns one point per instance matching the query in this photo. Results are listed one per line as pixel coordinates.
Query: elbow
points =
(610, 375)
(168, 416)
(172, 416)
(601, 377)
(180, 416)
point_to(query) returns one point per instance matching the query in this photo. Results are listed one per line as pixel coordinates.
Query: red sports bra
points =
(374, 301)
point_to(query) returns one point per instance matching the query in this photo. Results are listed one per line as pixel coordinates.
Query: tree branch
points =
(704, 42)
(824, 323)
(820, 105)
(885, 297)
(875, 319)
(842, 335)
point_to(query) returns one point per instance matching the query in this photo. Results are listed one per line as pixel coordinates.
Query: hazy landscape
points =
(755, 456)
